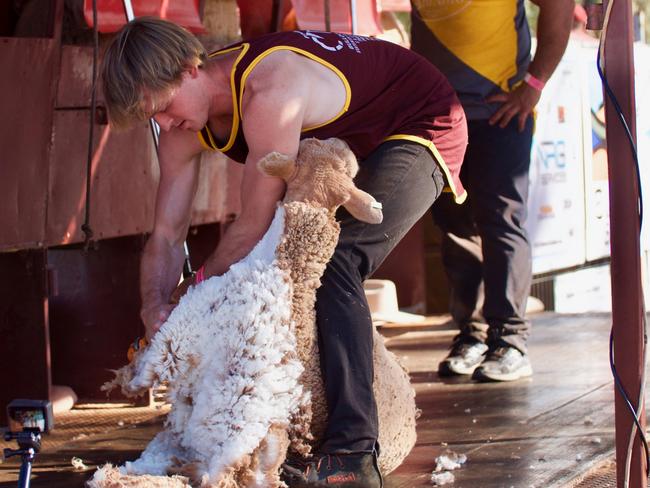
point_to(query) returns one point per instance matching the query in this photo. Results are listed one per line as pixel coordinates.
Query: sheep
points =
(240, 356)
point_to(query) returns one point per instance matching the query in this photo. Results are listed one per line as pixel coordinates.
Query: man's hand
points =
(520, 102)
(153, 317)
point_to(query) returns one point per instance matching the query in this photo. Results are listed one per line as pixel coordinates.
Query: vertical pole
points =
(26, 468)
(128, 10)
(277, 15)
(353, 16)
(328, 22)
(627, 297)
(155, 134)
(155, 129)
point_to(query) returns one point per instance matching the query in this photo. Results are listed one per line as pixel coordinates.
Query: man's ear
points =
(364, 207)
(193, 72)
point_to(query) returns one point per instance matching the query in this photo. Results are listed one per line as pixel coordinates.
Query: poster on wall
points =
(556, 213)
(596, 158)
(596, 178)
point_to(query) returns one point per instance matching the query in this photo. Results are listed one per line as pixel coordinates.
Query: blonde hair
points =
(146, 59)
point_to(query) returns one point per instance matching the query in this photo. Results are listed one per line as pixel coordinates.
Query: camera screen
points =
(30, 414)
(27, 419)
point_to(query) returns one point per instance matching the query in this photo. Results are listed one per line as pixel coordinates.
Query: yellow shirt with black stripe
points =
(482, 46)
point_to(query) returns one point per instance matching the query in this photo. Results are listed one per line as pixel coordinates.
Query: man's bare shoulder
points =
(278, 71)
(289, 86)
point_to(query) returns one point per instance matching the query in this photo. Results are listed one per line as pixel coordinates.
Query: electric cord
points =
(624, 394)
(636, 413)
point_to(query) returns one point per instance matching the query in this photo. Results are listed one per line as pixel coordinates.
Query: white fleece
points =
(227, 353)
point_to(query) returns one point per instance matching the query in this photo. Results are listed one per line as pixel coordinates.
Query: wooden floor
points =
(540, 432)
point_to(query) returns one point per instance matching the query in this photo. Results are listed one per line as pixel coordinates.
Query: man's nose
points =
(164, 121)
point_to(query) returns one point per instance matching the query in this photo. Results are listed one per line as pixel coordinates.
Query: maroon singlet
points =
(392, 93)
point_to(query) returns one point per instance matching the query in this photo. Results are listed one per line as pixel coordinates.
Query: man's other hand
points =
(153, 317)
(520, 102)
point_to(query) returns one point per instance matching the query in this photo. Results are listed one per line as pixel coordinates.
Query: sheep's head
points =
(322, 175)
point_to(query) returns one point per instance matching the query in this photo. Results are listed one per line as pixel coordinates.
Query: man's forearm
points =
(239, 240)
(160, 270)
(553, 29)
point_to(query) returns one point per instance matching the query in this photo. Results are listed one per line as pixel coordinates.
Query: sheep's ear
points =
(364, 207)
(277, 164)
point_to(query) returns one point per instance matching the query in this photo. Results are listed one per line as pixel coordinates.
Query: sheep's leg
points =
(269, 457)
(195, 471)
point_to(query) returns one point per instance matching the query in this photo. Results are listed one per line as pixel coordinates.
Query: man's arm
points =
(163, 256)
(553, 28)
(273, 111)
(259, 194)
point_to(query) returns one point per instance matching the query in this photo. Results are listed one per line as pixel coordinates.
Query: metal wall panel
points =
(24, 347)
(26, 96)
(123, 183)
(217, 196)
(405, 266)
(75, 80)
(94, 314)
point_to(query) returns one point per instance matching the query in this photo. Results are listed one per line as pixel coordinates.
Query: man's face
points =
(181, 107)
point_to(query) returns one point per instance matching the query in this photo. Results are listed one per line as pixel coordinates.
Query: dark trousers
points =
(405, 178)
(485, 249)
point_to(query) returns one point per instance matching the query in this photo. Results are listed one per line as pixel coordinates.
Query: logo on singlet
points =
(319, 40)
(350, 41)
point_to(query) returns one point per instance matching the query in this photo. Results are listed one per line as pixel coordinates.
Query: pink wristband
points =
(536, 83)
(198, 277)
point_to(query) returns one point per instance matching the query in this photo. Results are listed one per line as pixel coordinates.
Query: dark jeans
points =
(405, 178)
(485, 249)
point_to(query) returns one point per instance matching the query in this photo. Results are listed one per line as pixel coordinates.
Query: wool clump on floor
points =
(445, 463)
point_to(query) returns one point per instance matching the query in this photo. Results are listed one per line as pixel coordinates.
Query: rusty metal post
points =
(627, 296)
(326, 7)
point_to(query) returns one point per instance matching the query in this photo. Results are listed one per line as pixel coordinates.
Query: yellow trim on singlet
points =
(235, 109)
(348, 90)
(436, 154)
(202, 141)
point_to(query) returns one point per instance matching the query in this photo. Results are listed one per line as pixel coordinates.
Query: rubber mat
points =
(601, 476)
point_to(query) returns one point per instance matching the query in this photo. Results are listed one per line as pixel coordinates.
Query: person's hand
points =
(519, 103)
(154, 316)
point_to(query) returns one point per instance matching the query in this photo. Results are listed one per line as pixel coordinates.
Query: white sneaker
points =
(504, 364)
(463, 359)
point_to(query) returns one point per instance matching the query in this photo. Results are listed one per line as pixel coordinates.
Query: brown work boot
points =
(356, 470)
